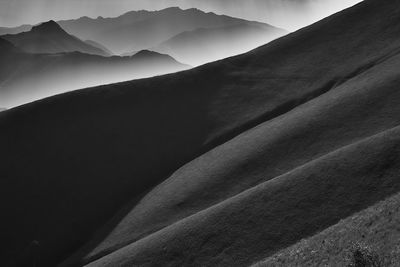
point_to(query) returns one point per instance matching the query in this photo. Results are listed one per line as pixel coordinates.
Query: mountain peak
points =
(49, 27)
(146, 54)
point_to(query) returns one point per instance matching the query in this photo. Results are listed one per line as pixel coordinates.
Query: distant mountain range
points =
(49, 37)
(209, 44)
(167, 29)
(25, 77)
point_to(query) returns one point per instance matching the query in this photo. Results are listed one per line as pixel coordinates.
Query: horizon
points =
(285, 14)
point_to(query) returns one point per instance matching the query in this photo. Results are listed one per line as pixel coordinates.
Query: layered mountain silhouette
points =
(15, 30)
(26, 77)
(100, 46)
(138, 30)
(210, 44)
(222, 165)
(49, 37)
(172, 29)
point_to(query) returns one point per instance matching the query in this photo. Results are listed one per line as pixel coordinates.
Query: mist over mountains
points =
(287, 14)
(183, 33)
(285, 155)
(49, 37)
(62, 63)
(190, 37)
(139, 30)
(210, 44)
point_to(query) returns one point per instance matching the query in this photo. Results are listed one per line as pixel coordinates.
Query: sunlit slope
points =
(375, 227)
(362, 107)
(73, 161)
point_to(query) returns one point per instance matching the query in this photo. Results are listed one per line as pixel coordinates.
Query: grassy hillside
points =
(310, 168)
(376, 227)
(221, 165)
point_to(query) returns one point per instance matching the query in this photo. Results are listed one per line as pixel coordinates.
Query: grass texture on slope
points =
(377, 227)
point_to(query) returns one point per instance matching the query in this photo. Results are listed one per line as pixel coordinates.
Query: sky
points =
(288, 14)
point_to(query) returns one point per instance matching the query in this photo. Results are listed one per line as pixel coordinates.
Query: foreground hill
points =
(49, 37)
(222, 165)
(210, 44)
(27, 77)
(375, 227)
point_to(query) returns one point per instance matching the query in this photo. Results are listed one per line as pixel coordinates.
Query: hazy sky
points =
(289, 14)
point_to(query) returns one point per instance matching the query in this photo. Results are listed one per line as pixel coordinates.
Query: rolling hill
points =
(48, 38)
(222, 165)
(28, 77)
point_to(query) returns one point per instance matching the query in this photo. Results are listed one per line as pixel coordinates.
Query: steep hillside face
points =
(300, 139)
(109, 146)
(49, 37)
(29, 77)
(138, 30)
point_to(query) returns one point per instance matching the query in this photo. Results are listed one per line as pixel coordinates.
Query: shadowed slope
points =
(239, 230)
(361, 107)
(49, 37)
(7, 47)
(98, 149)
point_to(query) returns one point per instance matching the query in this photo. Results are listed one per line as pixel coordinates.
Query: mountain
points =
(100, 46)
(27, 77)
(288, 14)
(138, 30)
(221, 165)
(49, 37)
(15, 30)
(168, 30)
(210, 44)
